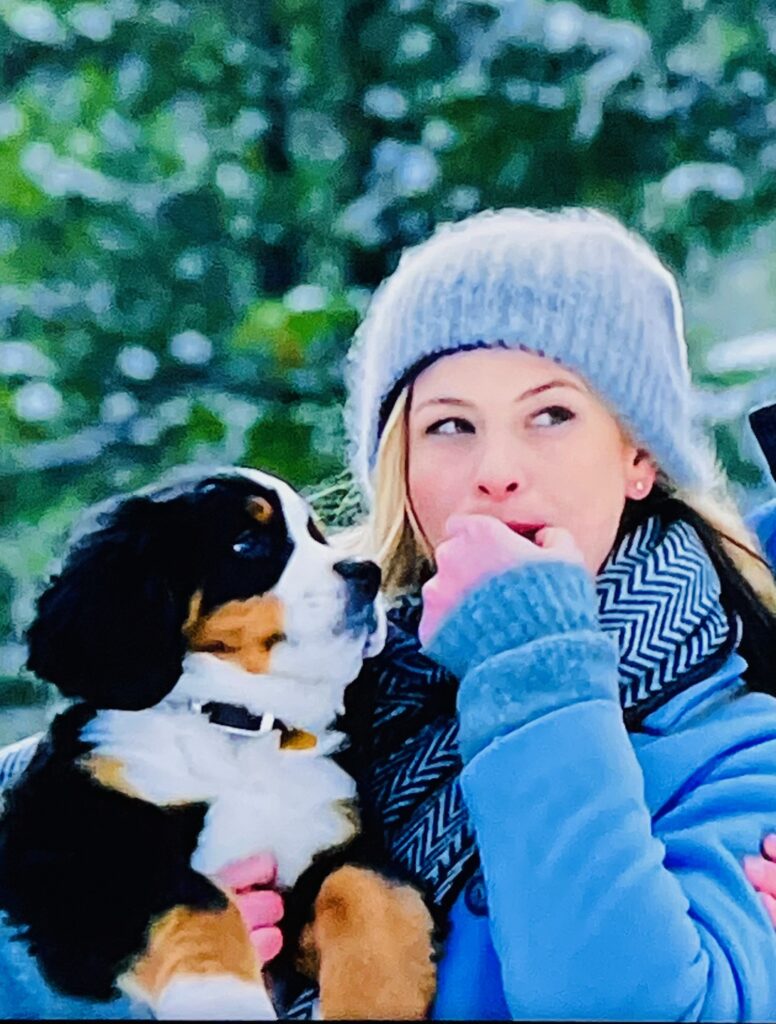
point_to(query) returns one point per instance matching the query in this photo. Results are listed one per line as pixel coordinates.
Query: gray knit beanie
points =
(574, 286)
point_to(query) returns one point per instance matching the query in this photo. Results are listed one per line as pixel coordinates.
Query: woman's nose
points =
(496, 488)
(497, 472)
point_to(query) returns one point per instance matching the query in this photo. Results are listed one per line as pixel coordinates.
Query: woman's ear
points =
(108, 627)
(641, 475)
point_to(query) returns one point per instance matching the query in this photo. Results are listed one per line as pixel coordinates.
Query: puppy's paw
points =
(214, 998)
(200, 965)
(373, 940)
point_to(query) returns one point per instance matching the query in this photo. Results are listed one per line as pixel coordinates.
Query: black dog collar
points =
(236, 718)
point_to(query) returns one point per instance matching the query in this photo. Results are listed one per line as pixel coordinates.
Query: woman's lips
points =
(527, 530)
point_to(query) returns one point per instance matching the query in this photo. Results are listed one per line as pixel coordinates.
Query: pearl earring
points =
(639, 487)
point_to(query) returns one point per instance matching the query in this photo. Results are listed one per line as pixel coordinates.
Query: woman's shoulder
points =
(715, 722)
(721, 697)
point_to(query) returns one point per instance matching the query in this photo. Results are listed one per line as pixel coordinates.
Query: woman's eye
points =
(552, 416)
(452, 425)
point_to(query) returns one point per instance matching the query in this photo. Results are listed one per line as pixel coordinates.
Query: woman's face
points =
(510, 434)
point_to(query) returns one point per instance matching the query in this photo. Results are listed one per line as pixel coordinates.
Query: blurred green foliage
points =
(197, 199)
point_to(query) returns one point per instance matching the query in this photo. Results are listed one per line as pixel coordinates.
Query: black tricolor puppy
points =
(208, 632)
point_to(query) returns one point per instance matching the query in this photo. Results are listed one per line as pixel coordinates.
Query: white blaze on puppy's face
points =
(292, 650)
(324, 614)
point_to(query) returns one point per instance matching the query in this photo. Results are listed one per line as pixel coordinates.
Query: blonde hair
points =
(739, 542)
(392, 536)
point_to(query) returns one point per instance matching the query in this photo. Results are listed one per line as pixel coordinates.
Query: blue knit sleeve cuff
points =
(514, 688)
(514, 608)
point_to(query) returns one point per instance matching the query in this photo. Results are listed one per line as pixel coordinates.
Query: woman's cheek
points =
(595, 536)
(429, 507)
(435, 492)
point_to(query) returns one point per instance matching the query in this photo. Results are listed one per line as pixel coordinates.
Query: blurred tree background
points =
(197, 199)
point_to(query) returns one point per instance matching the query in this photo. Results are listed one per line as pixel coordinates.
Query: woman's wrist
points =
(514, 608)
(514, 688)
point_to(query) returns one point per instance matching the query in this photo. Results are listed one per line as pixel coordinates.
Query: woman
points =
(581, 802)
(520, 421)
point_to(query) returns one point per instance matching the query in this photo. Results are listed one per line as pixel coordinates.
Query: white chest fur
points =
(260, 798)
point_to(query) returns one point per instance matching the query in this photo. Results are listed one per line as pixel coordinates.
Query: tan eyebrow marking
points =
(260, 509)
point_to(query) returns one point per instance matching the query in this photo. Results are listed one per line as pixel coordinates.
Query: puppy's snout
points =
(362, 576)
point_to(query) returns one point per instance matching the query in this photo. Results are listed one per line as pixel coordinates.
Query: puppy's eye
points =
(215, 647)
(249, 544)
(274, 638)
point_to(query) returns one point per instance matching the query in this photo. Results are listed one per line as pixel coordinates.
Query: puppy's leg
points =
(200, 965)
(372, 942)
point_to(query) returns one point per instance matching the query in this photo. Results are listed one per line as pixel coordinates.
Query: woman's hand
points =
(251, 882)
(478, 546)
(761, 872)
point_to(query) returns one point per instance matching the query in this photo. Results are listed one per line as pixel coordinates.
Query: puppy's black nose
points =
(363, 576)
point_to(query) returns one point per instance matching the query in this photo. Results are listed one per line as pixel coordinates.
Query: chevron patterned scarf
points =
(658, 595)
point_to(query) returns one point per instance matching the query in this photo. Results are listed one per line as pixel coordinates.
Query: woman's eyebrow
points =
(445, 401)
(552, 384)
(461, 402)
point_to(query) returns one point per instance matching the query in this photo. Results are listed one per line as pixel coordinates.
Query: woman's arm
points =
(593, 914)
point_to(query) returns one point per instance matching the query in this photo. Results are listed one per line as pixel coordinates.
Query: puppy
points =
(208, 632)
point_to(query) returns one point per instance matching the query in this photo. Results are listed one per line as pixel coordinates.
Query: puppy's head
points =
(225, 570)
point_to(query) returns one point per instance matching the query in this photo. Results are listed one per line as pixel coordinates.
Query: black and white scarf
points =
(658, 595)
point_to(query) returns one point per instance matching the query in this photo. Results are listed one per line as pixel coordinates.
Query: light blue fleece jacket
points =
(611, 862)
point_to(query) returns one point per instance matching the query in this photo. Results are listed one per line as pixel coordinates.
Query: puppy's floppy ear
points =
(108, 627)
